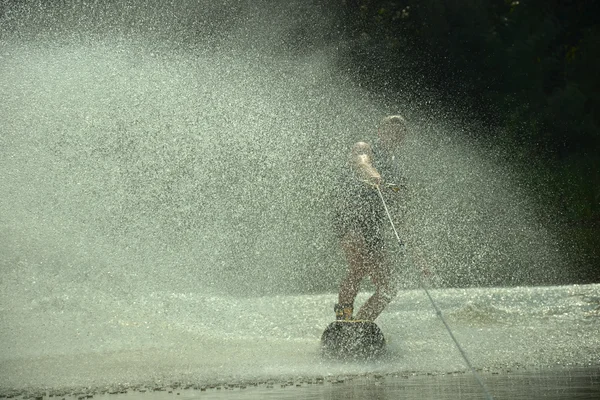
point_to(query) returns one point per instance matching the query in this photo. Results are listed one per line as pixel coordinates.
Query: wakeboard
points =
(352, 339)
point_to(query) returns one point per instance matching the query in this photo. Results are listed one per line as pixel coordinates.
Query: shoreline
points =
(160, 389)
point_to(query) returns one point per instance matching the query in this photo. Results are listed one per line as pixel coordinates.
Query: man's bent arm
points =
(362, 163)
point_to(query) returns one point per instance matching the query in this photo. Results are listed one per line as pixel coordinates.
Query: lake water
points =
(521, 340)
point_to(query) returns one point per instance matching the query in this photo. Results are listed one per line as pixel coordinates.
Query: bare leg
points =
(354, 248)
(363, 261)
(381, 277)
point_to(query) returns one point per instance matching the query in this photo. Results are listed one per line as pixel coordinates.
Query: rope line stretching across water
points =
(435, 306)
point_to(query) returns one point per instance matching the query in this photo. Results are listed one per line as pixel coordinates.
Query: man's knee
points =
(388, 293)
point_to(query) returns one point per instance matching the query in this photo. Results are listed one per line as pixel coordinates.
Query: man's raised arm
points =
(362, 163)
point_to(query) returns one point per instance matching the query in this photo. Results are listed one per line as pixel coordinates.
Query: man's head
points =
(392, 131)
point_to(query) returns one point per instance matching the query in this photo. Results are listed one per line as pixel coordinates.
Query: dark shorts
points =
(363, 217)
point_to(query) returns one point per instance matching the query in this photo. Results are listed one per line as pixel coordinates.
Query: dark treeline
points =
(529, 68)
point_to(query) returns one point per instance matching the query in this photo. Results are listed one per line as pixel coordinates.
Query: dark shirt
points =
(357, 205)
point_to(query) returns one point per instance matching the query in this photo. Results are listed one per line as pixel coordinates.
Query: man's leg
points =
(354, 248)
(381, 276)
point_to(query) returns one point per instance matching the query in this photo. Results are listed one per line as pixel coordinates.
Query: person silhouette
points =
(359, 219)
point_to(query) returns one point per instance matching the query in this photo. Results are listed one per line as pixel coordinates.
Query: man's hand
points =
(375, 180)
(392, 186)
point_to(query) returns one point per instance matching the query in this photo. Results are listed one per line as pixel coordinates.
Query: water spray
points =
(435, 306)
